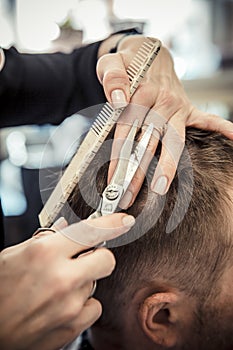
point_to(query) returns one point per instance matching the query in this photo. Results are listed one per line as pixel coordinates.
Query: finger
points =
(124, 124)
(90, 313)
(92, 266)
(88, 316)
(66, 333)
(211, 122)
(158, 121)
(89, 233)
(172, 147)
(69, 301)
(112, 74)
(43, 232)
(65, 303)
(137, 181)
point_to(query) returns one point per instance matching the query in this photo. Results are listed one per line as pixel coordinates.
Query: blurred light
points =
(202, 62)
(91, 16)
(180, 66)
(54, 31)
(59, 10)
(16, 148)
(12, 196)
(6, 33)
(39, 36)
(37, 22)
(131, 9)
(162, 17)
(217, 108)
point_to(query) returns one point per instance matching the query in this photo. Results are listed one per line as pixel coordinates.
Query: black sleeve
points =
(46, 88)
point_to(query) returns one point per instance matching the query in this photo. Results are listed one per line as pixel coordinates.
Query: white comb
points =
(96, 136)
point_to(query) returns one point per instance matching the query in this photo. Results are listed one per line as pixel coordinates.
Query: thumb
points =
(111, 72)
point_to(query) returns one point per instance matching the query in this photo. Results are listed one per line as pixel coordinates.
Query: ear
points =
(163, 318)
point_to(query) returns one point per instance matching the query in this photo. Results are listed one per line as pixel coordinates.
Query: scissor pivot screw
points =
(112, 193)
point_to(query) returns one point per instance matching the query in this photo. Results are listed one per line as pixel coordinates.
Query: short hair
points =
(193, 256)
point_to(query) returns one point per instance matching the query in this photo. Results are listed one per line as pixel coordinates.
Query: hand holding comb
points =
(98, 132)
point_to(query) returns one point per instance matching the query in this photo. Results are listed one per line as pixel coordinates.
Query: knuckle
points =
(168, 98)
(61, 284)
(73, 325)
(115, 75)
(72, 309)
(79, 279)
(174, 143)
(144, 93)
(37, 250)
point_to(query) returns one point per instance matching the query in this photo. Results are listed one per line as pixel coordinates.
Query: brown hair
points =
(193, 255)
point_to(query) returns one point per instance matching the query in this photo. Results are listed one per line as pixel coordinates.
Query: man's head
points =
(173, 290)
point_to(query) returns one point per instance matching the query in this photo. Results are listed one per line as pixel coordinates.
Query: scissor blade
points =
(136, 157)
(122, 165)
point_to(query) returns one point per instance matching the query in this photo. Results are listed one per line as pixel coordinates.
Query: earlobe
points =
(156, 321)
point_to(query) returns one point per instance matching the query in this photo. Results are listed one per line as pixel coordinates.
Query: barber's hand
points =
(45, 294)
(160, 99)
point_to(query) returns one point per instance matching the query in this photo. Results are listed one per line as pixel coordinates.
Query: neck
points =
(124, 339)
(103, 340)
(128, 334)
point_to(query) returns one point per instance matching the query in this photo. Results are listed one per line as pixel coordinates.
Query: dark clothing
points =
(46, 88)
(85, 345)
(80, 343)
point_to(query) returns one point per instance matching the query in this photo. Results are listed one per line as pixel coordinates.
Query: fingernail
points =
(160, 185)
(118, 99)
(124, 204)
(128, 220)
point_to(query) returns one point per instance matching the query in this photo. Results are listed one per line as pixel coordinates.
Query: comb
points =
(98, 132)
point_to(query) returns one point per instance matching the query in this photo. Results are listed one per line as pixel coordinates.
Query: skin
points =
(45, 293)
(35, 318)
(172, 320)
(160, 98)
(32, 317)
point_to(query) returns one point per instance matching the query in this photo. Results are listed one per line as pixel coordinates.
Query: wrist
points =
(110, 44)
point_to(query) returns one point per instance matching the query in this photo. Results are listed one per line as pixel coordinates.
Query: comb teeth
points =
(103, 118)
(101, 127)
(136, 71)
(140, 62)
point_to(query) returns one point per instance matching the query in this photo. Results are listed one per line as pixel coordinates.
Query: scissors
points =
(126, 168)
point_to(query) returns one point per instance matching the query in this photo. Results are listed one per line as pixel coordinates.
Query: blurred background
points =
(199, 34)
